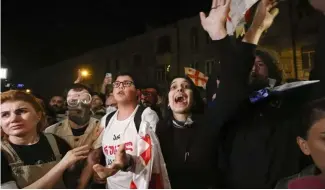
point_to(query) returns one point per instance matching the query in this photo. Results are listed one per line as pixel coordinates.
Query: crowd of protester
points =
(130, 135)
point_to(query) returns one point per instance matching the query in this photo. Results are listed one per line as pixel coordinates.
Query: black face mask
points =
(80, 115)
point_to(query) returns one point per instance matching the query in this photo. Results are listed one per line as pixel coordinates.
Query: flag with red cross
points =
(198, 78)
(150, 169)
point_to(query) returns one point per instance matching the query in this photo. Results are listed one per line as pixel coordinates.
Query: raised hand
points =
(265, 14)
(121, 160)
(104, 172)
(79, 79)
(74, 155)
(215, 23)
(263, 19)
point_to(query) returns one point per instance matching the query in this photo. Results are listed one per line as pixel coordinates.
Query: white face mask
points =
(110, 109)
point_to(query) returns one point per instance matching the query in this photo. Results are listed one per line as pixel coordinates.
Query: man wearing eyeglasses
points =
(124, 141)
(79, 128)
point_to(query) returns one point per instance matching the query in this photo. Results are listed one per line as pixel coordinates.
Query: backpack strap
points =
(52, 141)
(108, 118)
(137, 117)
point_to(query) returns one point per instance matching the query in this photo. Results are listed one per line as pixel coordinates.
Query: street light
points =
(28, 91)
(84, 73)
(3, 73)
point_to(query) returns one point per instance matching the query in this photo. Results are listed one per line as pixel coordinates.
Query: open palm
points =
(118, 164)
(265, 14)
(217, 16)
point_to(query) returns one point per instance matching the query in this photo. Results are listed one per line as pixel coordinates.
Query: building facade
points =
(162, 53)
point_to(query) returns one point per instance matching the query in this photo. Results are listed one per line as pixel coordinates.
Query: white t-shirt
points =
(119, 132)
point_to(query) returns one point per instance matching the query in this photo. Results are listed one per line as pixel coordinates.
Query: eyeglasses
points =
(74, 101)
(117, 84)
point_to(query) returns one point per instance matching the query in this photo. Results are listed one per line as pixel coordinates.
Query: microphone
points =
(308, 182)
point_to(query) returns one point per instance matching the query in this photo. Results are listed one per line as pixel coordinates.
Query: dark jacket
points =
(308, 171)
(318, 70)
(191, 153)
(258, 146)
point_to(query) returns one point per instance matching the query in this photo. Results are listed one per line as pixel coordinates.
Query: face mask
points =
(110, 109)
(79, 115)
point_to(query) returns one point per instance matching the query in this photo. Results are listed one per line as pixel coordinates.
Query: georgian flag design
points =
(150, 169)
(239, 14)
(198, 78)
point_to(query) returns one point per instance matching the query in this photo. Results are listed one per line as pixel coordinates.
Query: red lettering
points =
(105, 150)
(128, 146)
(111, 150)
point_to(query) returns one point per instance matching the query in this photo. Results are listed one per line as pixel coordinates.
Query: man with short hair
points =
(111, 106)
(110, 102)
(97, 106)
(125, 140)
(56, 110)
(79, 128)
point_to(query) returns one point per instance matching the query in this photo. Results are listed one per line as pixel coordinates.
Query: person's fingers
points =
(221, 3)
(271, 5)
(103, 172)
(214, 3)
(202, 17)
(80, 157)
(227, 3)
(85, 147)
(275, 3)
(82, 153)
(98, 167)
(274, 12)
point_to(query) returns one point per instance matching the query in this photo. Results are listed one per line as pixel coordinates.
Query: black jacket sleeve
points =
(318, 70)
(236, 64)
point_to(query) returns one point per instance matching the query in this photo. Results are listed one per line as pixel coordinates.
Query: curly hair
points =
(271, 62)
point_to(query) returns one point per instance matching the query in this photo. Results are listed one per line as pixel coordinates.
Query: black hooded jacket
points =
(191, 152)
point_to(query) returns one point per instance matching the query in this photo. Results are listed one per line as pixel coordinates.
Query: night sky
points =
(40, 33)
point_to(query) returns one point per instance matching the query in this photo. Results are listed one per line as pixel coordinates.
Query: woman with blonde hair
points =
(30, 158)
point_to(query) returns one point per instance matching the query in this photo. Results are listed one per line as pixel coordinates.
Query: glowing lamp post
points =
(84, 73)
